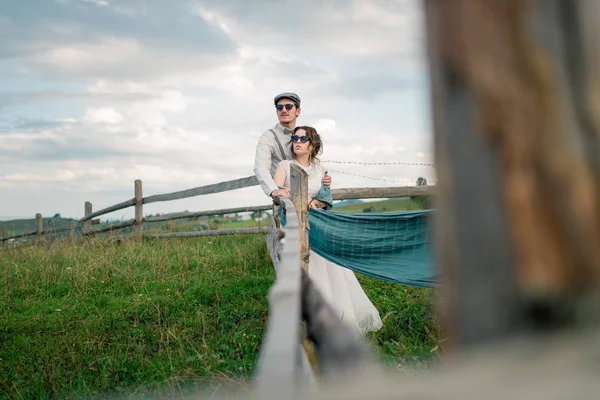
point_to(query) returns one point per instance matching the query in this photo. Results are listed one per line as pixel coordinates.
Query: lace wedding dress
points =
(337, 284)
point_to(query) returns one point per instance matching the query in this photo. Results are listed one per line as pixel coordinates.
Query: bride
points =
(337, 284)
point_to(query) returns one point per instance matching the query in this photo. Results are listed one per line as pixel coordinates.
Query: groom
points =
(272, 145)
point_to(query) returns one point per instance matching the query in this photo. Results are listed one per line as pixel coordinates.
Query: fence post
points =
(299, 192)
(38, 227)
(139, 212)
(516, 121)
(87, 225)
(4, 235)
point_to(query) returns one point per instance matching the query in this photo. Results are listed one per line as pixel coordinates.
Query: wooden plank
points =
(281, 359)
(553, 369)
(203, 190)
(87, 224)
(470, 233)
(300, 197)
(113, 208)
(381, 192)
(508, 243)
(45, 232)
(113, 227)
(39, 226)
(582, 46)
(21, 235)
(273, 241)
(194, 214)
(59, 230)
(216, 232)
(139, 211)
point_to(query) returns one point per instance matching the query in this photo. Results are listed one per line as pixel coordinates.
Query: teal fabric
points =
(391, 246)
(325, 196)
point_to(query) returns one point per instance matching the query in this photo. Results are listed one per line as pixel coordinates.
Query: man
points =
(273, 144)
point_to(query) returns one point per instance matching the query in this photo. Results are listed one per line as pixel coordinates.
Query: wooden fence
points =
(516, 110)
(86, 224)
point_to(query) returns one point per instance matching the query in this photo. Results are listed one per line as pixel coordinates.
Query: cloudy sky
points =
(97, 93)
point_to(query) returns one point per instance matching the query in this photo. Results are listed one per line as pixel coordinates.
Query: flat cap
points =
(288, 95)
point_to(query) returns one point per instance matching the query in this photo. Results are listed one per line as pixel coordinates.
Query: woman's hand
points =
(317, 204)
(327, 180)
(285, 192)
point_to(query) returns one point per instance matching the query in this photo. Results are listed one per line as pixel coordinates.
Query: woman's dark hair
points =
(315, 141)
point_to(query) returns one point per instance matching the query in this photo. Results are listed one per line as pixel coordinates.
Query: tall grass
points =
(97, 316)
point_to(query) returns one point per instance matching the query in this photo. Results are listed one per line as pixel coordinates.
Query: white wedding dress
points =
(337, 284)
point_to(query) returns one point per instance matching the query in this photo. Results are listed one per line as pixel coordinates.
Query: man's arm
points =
(262, 164)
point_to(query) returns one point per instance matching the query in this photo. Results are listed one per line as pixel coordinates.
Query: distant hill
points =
(7, 218)
(17, 226)
(347, 202)
(389, 205)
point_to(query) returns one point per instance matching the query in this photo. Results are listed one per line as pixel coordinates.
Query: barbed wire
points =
(405, 181)
(380, 163)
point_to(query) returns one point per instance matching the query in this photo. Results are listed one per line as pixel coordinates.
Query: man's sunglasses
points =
(302, 139)
(288, 106)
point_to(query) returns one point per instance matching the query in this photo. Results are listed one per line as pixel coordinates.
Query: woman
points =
(337, 284)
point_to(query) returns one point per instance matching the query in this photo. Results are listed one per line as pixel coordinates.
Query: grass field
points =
(98, 317)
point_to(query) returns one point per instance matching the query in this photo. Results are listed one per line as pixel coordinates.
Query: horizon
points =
(98, 93)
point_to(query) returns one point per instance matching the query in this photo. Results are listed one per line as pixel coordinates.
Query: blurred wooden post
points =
(516, 112)
(87, 225)
(38, 227)
(299, 193)
(139, 213)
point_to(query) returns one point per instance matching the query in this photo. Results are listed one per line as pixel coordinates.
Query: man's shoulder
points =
(269, 131)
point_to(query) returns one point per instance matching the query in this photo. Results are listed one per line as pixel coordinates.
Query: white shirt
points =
(268, 155)
(315, 174)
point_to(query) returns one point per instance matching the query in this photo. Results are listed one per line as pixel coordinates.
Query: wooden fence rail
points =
(282, 358)
(182, 215)
(203, 190)
(86, 223)
(107, 210)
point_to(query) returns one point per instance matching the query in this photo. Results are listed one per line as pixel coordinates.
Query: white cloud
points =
(102, 3)
(47, 177)
(324, 125)
(359, 29)
(126, 59)
(103, 115)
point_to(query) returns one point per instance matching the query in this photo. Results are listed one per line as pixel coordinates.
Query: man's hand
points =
(327, 180)
(281, 193)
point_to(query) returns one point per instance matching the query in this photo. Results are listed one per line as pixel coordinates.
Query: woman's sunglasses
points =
(302, 139)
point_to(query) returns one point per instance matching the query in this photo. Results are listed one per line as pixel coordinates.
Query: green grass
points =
(97, 316)
(93, 317)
